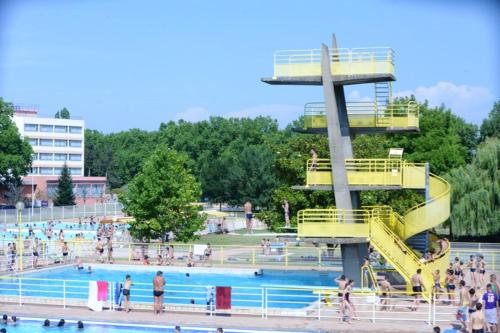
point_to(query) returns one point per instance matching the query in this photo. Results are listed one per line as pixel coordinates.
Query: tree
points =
(475, 193)
(15, 153)
(64, 195)
(160, 198)
(63, 114)
(491, 126)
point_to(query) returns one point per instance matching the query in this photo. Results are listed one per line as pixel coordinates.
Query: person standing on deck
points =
(158, 285)
(65, 252)
(477, 323)
(417, 284)
(126, 292)
(248, 215)
(110, 250)
(385, 288)
(481, 265)
(472, 264)
(34, 248)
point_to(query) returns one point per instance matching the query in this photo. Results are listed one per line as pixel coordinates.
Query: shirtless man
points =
(457, 271)
(110, 250)
(477, 322)
(34, 248)
(248, 215)
(472, 264)
(158, 285)
(341, 281)
(126, 292)
(417, 285)
(437, 283)
(463, 303)
(65, 252)
(385, 287)
(450, 285)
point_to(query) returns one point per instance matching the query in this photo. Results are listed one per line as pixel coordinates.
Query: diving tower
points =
(348, 223)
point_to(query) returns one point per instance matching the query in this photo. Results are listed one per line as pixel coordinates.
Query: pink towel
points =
(102, 290)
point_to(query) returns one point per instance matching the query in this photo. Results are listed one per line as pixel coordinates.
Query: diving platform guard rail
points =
(369, 172)
(367, 114)
(356, 61)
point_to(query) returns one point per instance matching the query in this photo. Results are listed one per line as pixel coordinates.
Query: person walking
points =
(158, 290)
(417, 286)
(490, 302)
(126, 292)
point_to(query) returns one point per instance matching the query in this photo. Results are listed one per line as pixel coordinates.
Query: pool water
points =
(70, 327)
(184, 285)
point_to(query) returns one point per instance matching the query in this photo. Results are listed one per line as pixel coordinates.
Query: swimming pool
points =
(35, 326)
(184, 285)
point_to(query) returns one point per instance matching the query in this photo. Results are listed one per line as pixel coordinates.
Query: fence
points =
(278, 254)
(312, 302)
(40, 214)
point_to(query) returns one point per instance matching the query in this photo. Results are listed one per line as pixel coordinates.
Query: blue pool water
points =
(181, 288)
(70, 327)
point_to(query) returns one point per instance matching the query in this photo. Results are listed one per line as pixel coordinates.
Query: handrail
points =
(366, 114)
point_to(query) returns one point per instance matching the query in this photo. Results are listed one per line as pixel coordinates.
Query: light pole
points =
(20, 207)
(32, 196)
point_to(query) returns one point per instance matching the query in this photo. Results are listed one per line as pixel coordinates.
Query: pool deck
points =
(240, 322)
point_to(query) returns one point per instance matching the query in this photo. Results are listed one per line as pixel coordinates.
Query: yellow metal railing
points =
(369, 172)
(358, 61)
(334, 222)
(366, 114)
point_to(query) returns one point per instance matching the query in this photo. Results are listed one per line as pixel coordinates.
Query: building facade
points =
(55, 142)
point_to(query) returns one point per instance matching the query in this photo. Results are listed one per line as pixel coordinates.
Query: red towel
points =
(223, 298)
(102, 290)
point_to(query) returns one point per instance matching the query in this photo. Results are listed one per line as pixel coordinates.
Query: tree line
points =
(235, 160)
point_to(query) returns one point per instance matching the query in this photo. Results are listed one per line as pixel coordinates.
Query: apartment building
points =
(56, 141)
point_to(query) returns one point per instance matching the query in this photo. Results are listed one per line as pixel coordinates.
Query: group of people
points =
(100, 245)
(346, 306)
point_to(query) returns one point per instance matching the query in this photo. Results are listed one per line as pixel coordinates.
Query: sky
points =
(123, 64)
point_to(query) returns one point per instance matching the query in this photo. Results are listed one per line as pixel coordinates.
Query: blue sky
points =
(121, 64)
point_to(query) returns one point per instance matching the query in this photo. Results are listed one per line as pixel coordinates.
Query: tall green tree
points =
(64, 195)
(159, 197)
(63, 114)
(475, 193)
(15, 153)
(491, 125)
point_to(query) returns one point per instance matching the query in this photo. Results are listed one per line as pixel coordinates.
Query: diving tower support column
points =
(340, 145)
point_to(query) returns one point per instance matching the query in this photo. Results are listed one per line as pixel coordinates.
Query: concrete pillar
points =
(340, 145)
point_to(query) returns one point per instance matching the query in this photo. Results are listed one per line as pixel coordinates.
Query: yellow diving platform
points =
(387, 230)
(374, 172)
(348, 66)
(366, 116)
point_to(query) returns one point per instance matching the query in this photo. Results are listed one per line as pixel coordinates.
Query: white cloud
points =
(193, 114)
(285, 114)
(356, 96)
(469, 102)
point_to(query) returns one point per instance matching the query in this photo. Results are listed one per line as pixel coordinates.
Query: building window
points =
(46, 157)
(51, 190)
(60, 129)
(97, 190)
(46, 128)
(33, 171)
(46, 171)
(76, 171)
(34, 156)
(57, 171)
(33, 142)
(60, 143)
(60, 157)
(75, 157)
(46, 142)
(75, 129)
(30, 127)
(75, 143)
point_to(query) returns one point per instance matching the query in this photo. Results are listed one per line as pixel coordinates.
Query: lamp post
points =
(20, 207)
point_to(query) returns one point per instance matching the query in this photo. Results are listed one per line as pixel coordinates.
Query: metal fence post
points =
(286, 256)
(74, 211)
(51, 212)
(221, 255)
(262, 302)
(266, 296)
(63, 212)
(253, 256)
(319, 256)
(429, 312)
(20, 292)
(319, 306)
(374, 308)
(64, 294)
(129, 252)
